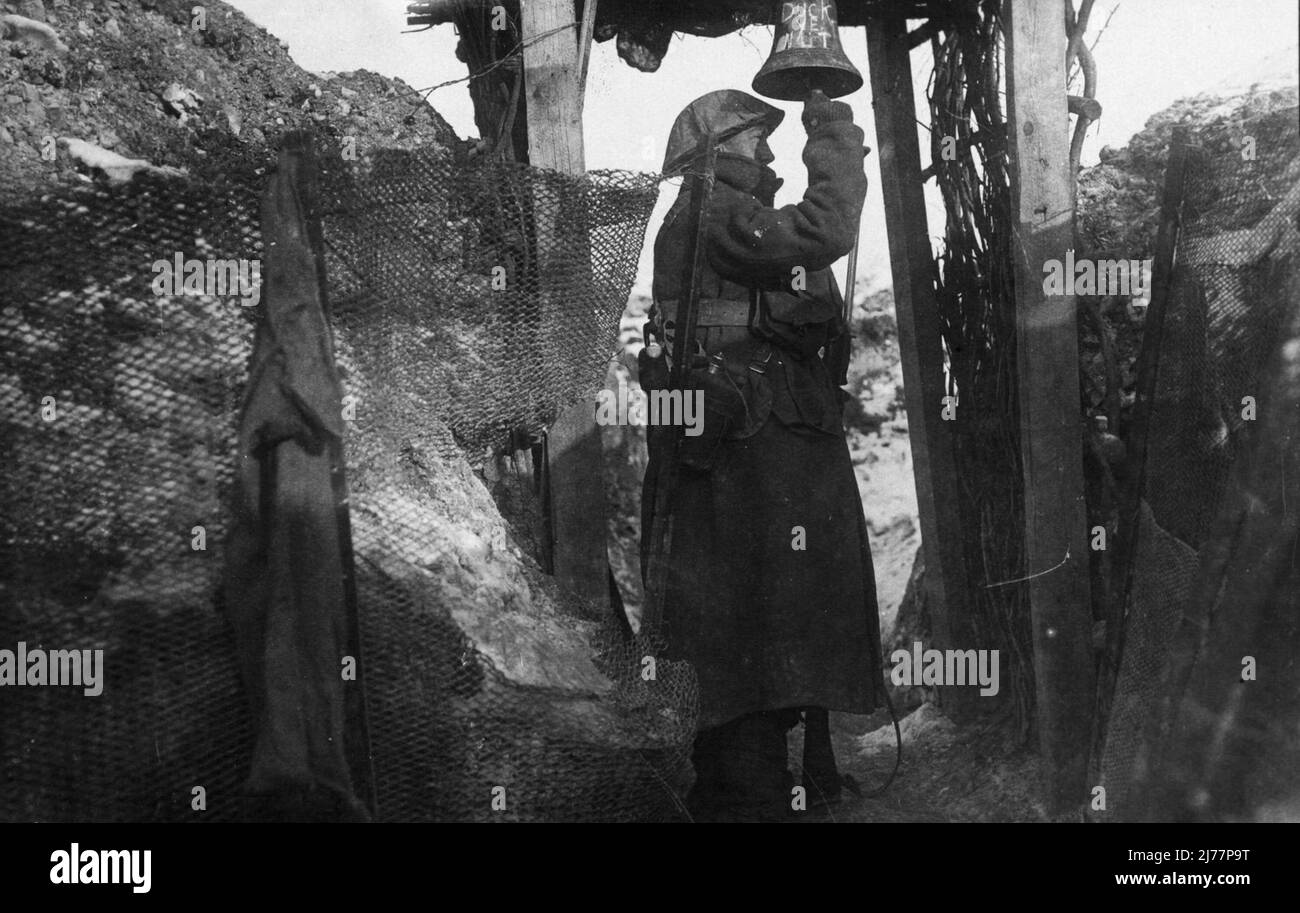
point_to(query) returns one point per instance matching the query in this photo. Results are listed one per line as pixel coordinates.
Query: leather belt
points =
(715, 312)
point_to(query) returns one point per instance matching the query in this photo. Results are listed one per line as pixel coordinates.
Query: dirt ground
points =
(972, 772)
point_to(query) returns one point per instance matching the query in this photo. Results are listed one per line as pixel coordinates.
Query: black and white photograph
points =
(876, 412)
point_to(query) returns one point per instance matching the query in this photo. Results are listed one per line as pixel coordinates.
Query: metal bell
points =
(807, 55)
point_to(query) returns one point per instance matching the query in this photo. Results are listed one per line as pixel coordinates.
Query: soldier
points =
(770, 590)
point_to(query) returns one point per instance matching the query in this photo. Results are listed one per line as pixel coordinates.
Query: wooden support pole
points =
(553, 88)
(551, 68)
(920, 35)
(1056, 539)
(921, 343)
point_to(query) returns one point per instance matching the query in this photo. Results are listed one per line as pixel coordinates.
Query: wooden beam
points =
(551, 66)
(921, 343)
(553, 89)
(1056, 540)
(920, 35)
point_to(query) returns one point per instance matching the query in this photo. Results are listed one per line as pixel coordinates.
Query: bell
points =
(807, 55)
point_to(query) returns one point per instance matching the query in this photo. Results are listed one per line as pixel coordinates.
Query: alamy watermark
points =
(56, 668)
(919, 666)
(1096, 277)
(660, 407)
(211, 277)
(77, 866)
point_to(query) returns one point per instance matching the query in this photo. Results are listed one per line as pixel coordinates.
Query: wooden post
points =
(1056, 539)
(920, 343)
(552, 64)
(553, 88)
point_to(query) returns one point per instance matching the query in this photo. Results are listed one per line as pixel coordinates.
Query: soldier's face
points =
(751, 144)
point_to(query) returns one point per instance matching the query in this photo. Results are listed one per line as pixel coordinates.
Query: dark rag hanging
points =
(284, 590)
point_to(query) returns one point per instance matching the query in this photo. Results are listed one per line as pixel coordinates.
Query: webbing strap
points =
(719, 312)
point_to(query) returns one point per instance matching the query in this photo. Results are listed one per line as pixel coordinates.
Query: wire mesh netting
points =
(1232, 744)
(1223, 321)
(527, 270)
(119, 428)
(472, 300)
(1234, 282)
(528, 273)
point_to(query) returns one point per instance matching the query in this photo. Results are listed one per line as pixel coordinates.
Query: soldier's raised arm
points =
(750, 242)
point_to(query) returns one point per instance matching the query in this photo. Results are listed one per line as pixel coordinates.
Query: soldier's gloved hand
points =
(819, 109)
(652, 370)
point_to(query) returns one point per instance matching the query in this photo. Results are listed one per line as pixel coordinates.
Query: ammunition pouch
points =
(736, 398)
(723, 408)
(786, 355)
(802, 324)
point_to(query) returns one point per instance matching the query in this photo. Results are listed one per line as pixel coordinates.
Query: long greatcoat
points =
(770, 588)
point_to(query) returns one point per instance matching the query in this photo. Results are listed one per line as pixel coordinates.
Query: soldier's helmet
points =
(725, 113)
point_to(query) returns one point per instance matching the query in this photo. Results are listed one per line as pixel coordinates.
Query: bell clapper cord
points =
(898, 752)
